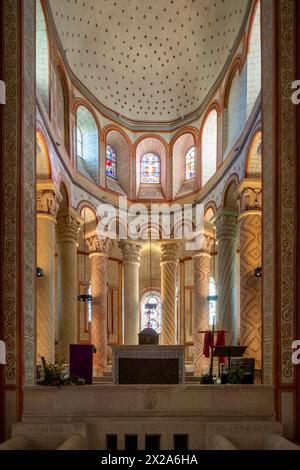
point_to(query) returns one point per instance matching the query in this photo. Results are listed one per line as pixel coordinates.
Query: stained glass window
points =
(111, 162)
(79, 142)
(150, 168)
(190, 164)
(151, 311)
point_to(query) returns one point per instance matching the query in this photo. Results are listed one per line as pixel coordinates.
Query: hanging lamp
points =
(84, 297)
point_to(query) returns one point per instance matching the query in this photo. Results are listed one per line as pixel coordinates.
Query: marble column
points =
(250, 259)
(47, 199)
(131, 265)
(226, 236)
(67, 233)
(169, 266)
(98, 254)
(202, 271)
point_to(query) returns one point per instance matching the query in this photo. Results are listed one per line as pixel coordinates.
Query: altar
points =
(148, 364)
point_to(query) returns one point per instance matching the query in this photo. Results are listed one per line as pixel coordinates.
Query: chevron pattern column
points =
(67, 232)
(131, 265)
(250, 258)
(169, 265)
(47, 199)
(202, 270)
(226, 235)
(98, 250)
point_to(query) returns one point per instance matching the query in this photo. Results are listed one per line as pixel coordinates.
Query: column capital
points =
(207, 243)
(131, 251)
(47, 200)
(226, 224)
(68, 226)
(169, 252)
(250, 197)
(96, 245)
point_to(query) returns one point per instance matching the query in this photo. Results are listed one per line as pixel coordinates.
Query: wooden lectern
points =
(81, 361)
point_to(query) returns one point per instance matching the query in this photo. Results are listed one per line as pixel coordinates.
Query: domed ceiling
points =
(148, 60)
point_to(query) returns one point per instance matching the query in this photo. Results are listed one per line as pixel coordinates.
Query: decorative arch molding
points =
(150, 135)
(251, 145)
(84, 204)
(252, 19)
(211, 205)
(62, 76)
(233, 180)
(43, 141)
(185, 130)
(115, 128)
(62, 181)
(82, 102)
(237, 65)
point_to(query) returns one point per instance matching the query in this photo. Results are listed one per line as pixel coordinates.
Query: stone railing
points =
(277, 442)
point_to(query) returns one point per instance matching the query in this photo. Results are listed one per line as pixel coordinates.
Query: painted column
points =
(131, 265)
(202, 270)
(169, 266)
(226, 235)
(67, 231)
(47, 206)
(250, 259)
(98, 249)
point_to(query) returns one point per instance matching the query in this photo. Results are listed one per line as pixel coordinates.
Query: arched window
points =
(42, 56)
(254, 62)
(111, 162)
(87, 144)
(209, 146)
(190, 164)
(150, 168)
(212, 304)
(151, 311)
(79, 146)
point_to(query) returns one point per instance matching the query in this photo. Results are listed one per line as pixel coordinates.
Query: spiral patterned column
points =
(250, 259)
(131, 266)
(47, 206)
(67, 232)
(202, 269)
(226, 235)
(169, 265)
(98, 249)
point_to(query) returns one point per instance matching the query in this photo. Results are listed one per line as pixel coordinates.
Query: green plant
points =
(53, 374)
(235, 375)
(206, 379)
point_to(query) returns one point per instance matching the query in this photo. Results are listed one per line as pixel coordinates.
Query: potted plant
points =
(235, 375)
(206, 379)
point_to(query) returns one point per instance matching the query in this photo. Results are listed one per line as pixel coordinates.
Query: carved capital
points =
(206, 244)
(131, 252)
(169, 253)
(67, 228)
(226, 225)
(250, 196)
(97, 245)
(47, 202)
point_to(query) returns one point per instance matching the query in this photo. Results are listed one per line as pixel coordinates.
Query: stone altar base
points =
(244, 413)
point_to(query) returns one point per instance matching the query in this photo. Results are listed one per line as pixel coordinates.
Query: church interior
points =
(149, 342)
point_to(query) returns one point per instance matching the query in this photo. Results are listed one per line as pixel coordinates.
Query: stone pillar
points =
(226, 235)
(202, 270)
(47, 206)
(67, 231)
(250, 259)
(131, 265)
(169, 265)
(98, 249)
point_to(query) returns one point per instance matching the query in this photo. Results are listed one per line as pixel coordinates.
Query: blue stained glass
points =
(111, 162)
(150, 168)
(190, 164)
